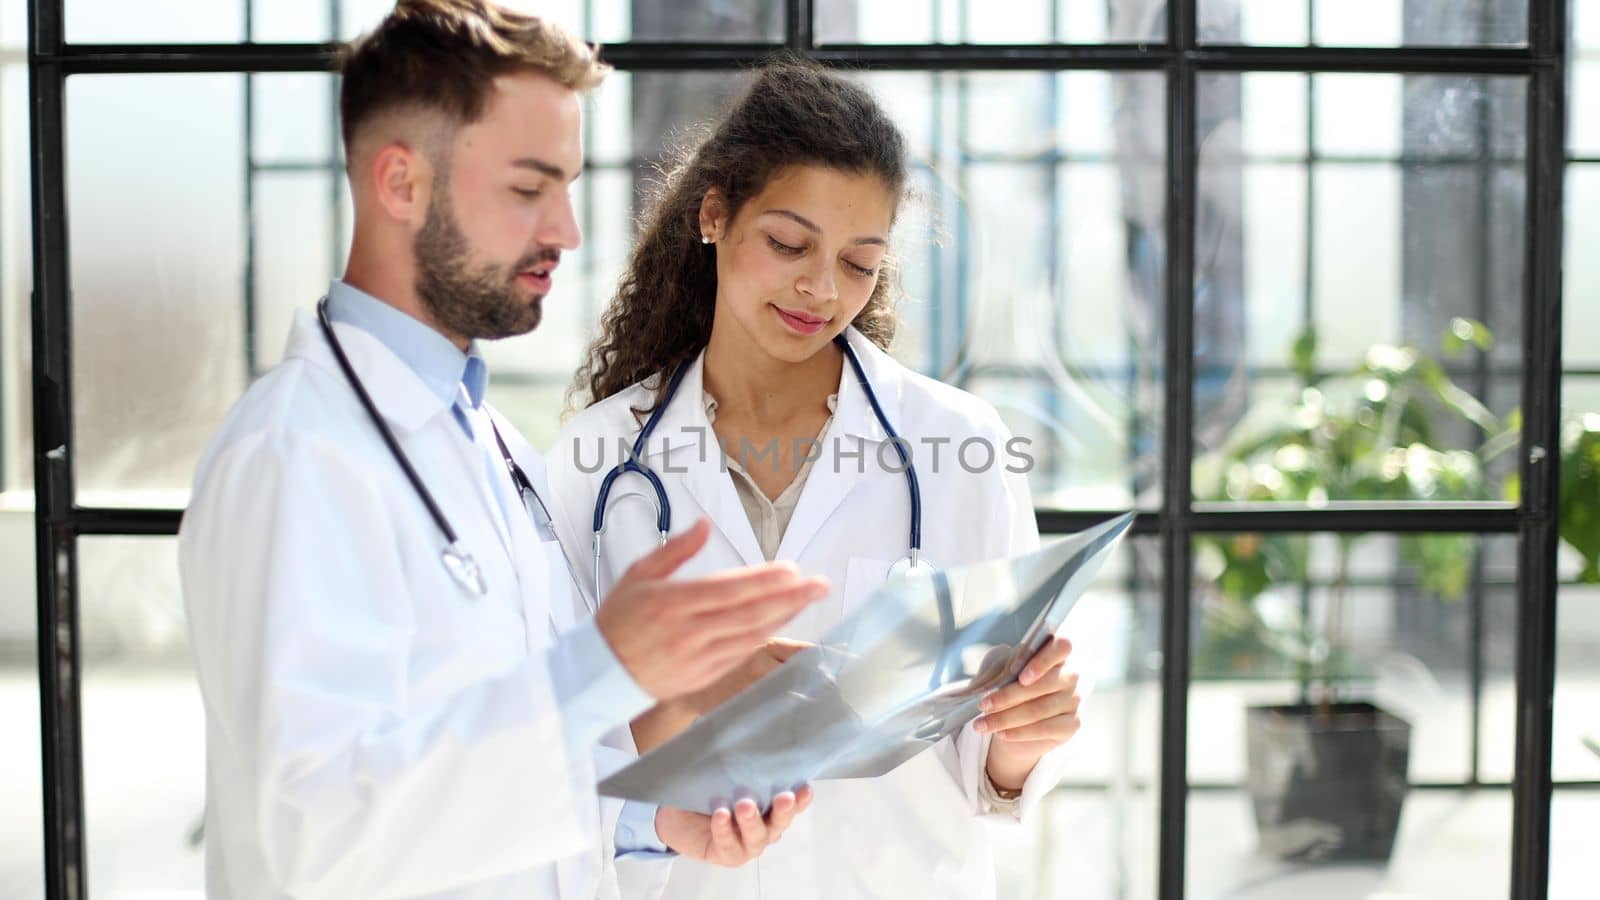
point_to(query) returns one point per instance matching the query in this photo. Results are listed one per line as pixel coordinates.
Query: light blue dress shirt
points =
(590, 684)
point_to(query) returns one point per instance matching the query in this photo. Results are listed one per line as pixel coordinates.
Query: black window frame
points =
(60, 521)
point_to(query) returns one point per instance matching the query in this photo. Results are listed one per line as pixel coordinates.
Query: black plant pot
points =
(1327, 783)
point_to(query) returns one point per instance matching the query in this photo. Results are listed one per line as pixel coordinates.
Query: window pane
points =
(1580, 333)
(616, 21)
(1575, 755)
(1573, 814)
(1584, 127)
(295, 119)
(156, 215)
(154, 22)
(143, 723)
(1380, 620)
(16, 292)
(1365, 23)
(1096, 837)
(292, 21)
(1408, 210)
(21, 794)
(964, 22)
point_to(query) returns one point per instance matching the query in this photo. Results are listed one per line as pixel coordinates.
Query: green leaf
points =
(1580, 492)
(1303, 355)
(1464, 333)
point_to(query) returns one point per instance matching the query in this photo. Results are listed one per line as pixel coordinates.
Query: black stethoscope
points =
(457, 561)
(912, 562)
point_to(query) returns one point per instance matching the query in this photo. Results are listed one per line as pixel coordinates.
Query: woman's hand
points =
(1032, 717)
(730, 838)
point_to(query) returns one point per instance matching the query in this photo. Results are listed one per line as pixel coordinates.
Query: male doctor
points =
(386, 716)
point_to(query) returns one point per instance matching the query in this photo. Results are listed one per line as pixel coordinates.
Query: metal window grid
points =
(60, 521)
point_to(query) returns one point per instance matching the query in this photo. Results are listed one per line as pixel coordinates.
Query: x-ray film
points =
(905, 670)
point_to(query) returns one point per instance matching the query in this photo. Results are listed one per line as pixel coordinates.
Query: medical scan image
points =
(905, 670)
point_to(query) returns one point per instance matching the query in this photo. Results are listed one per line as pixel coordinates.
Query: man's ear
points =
(401, 178)
(713, 216)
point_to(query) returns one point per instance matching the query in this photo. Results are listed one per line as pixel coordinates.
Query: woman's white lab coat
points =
(919, 831)
(373, 730)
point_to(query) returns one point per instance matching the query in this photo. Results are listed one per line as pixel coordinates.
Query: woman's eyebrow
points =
(812, 227)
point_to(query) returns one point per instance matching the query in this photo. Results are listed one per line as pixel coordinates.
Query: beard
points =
(480, 301)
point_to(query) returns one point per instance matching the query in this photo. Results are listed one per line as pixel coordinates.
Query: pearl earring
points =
(705, 238)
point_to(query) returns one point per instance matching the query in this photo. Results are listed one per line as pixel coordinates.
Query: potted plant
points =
(1327, 774)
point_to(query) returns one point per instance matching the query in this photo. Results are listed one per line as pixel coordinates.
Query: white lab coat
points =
(919, 831)
(372, 729)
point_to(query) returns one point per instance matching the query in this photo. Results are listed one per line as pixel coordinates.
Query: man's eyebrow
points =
(812, 227)
(544, 168)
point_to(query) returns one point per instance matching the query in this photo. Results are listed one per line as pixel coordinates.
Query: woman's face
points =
(801, 259)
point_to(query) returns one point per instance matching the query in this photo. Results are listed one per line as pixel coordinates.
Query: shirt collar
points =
(441, 365)
(711, 405)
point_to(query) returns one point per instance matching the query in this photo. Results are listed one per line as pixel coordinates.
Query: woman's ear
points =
(713, 217)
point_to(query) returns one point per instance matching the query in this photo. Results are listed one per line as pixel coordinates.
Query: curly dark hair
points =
(793, 113)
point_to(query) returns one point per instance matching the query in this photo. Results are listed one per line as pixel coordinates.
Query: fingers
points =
(752, 828)
(1050, 656)
(742, 834)
(781, 649)
(667, 558)
(759, 616)
(1016, 694)
(724, 837)
(731, 587)
(784, 808)
(1057, 730)
(1060, 703)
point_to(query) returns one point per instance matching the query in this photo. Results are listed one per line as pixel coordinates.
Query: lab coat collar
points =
(854, 414)
(831, 479)
(402, 397)
(684, 423)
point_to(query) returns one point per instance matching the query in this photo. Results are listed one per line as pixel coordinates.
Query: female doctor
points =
(766, 244)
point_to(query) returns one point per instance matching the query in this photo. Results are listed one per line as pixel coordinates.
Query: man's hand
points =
(679, 636)
(774, 653)
(666, 719)
(730, 837)
(1032, 717)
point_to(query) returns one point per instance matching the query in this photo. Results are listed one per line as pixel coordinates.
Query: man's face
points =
(501, 212)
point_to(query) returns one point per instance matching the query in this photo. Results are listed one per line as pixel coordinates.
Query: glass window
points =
(312, 21)
(1398, 196)
(968, 22)
(21, 778)
(1096, 833)
(1573, 813)
(1037, 278)
(143, 723)
(1580, 334)
(155, 22)
(16, 291)
(156, 211)
(1365, 23)
(617, 21)
(187, 249)
(1350, 655)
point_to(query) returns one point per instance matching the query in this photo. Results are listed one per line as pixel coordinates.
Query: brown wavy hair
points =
(793, 113)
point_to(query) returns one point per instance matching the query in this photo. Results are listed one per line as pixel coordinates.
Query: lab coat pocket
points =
(862, 576)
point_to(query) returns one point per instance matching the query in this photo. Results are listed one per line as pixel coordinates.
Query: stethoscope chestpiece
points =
(464, 569)
(907, 566)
